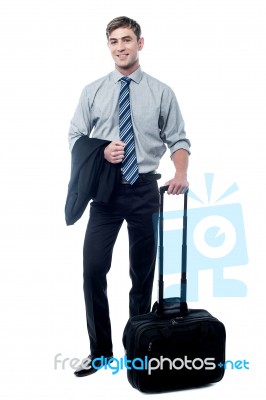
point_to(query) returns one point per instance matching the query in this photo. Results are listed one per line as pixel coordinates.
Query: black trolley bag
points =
(173, 347)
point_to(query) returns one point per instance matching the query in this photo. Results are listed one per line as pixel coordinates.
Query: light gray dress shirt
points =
(156, 117)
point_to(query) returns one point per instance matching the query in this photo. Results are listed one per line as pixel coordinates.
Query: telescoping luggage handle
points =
(173, 302)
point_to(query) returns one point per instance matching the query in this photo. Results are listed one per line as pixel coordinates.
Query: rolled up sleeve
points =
(81, 123)
(172, 124)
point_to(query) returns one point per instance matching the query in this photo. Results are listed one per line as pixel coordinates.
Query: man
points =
(139, 116)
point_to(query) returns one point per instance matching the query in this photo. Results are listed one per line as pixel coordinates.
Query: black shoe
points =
(91, 364)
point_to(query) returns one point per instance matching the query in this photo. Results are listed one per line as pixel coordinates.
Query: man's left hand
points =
(177, 185)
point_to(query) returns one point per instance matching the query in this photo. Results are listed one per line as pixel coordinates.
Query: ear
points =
(140, 43)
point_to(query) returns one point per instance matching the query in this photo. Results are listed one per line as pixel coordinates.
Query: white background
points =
(212, 53)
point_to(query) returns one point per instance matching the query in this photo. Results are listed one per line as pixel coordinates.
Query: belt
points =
(148, 177)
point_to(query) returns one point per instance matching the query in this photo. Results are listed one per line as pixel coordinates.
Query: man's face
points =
(124, 48)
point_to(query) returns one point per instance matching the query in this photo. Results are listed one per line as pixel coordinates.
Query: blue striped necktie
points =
(129, 163)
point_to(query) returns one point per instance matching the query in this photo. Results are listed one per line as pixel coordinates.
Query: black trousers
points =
(138, 205)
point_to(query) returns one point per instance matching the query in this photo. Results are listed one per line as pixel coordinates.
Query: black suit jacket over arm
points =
(92, 177)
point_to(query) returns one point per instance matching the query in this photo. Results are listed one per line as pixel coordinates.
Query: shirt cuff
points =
(182, 144)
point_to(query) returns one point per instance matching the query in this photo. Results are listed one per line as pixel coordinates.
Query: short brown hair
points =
(123, 22)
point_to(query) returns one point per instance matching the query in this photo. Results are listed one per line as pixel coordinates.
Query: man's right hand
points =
(115, 152)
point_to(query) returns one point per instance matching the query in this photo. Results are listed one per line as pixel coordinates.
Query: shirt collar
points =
(136, 76)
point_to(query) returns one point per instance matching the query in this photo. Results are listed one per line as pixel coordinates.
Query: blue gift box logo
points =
(216, 240)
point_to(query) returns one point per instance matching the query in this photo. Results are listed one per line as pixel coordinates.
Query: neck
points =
(127, 71)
